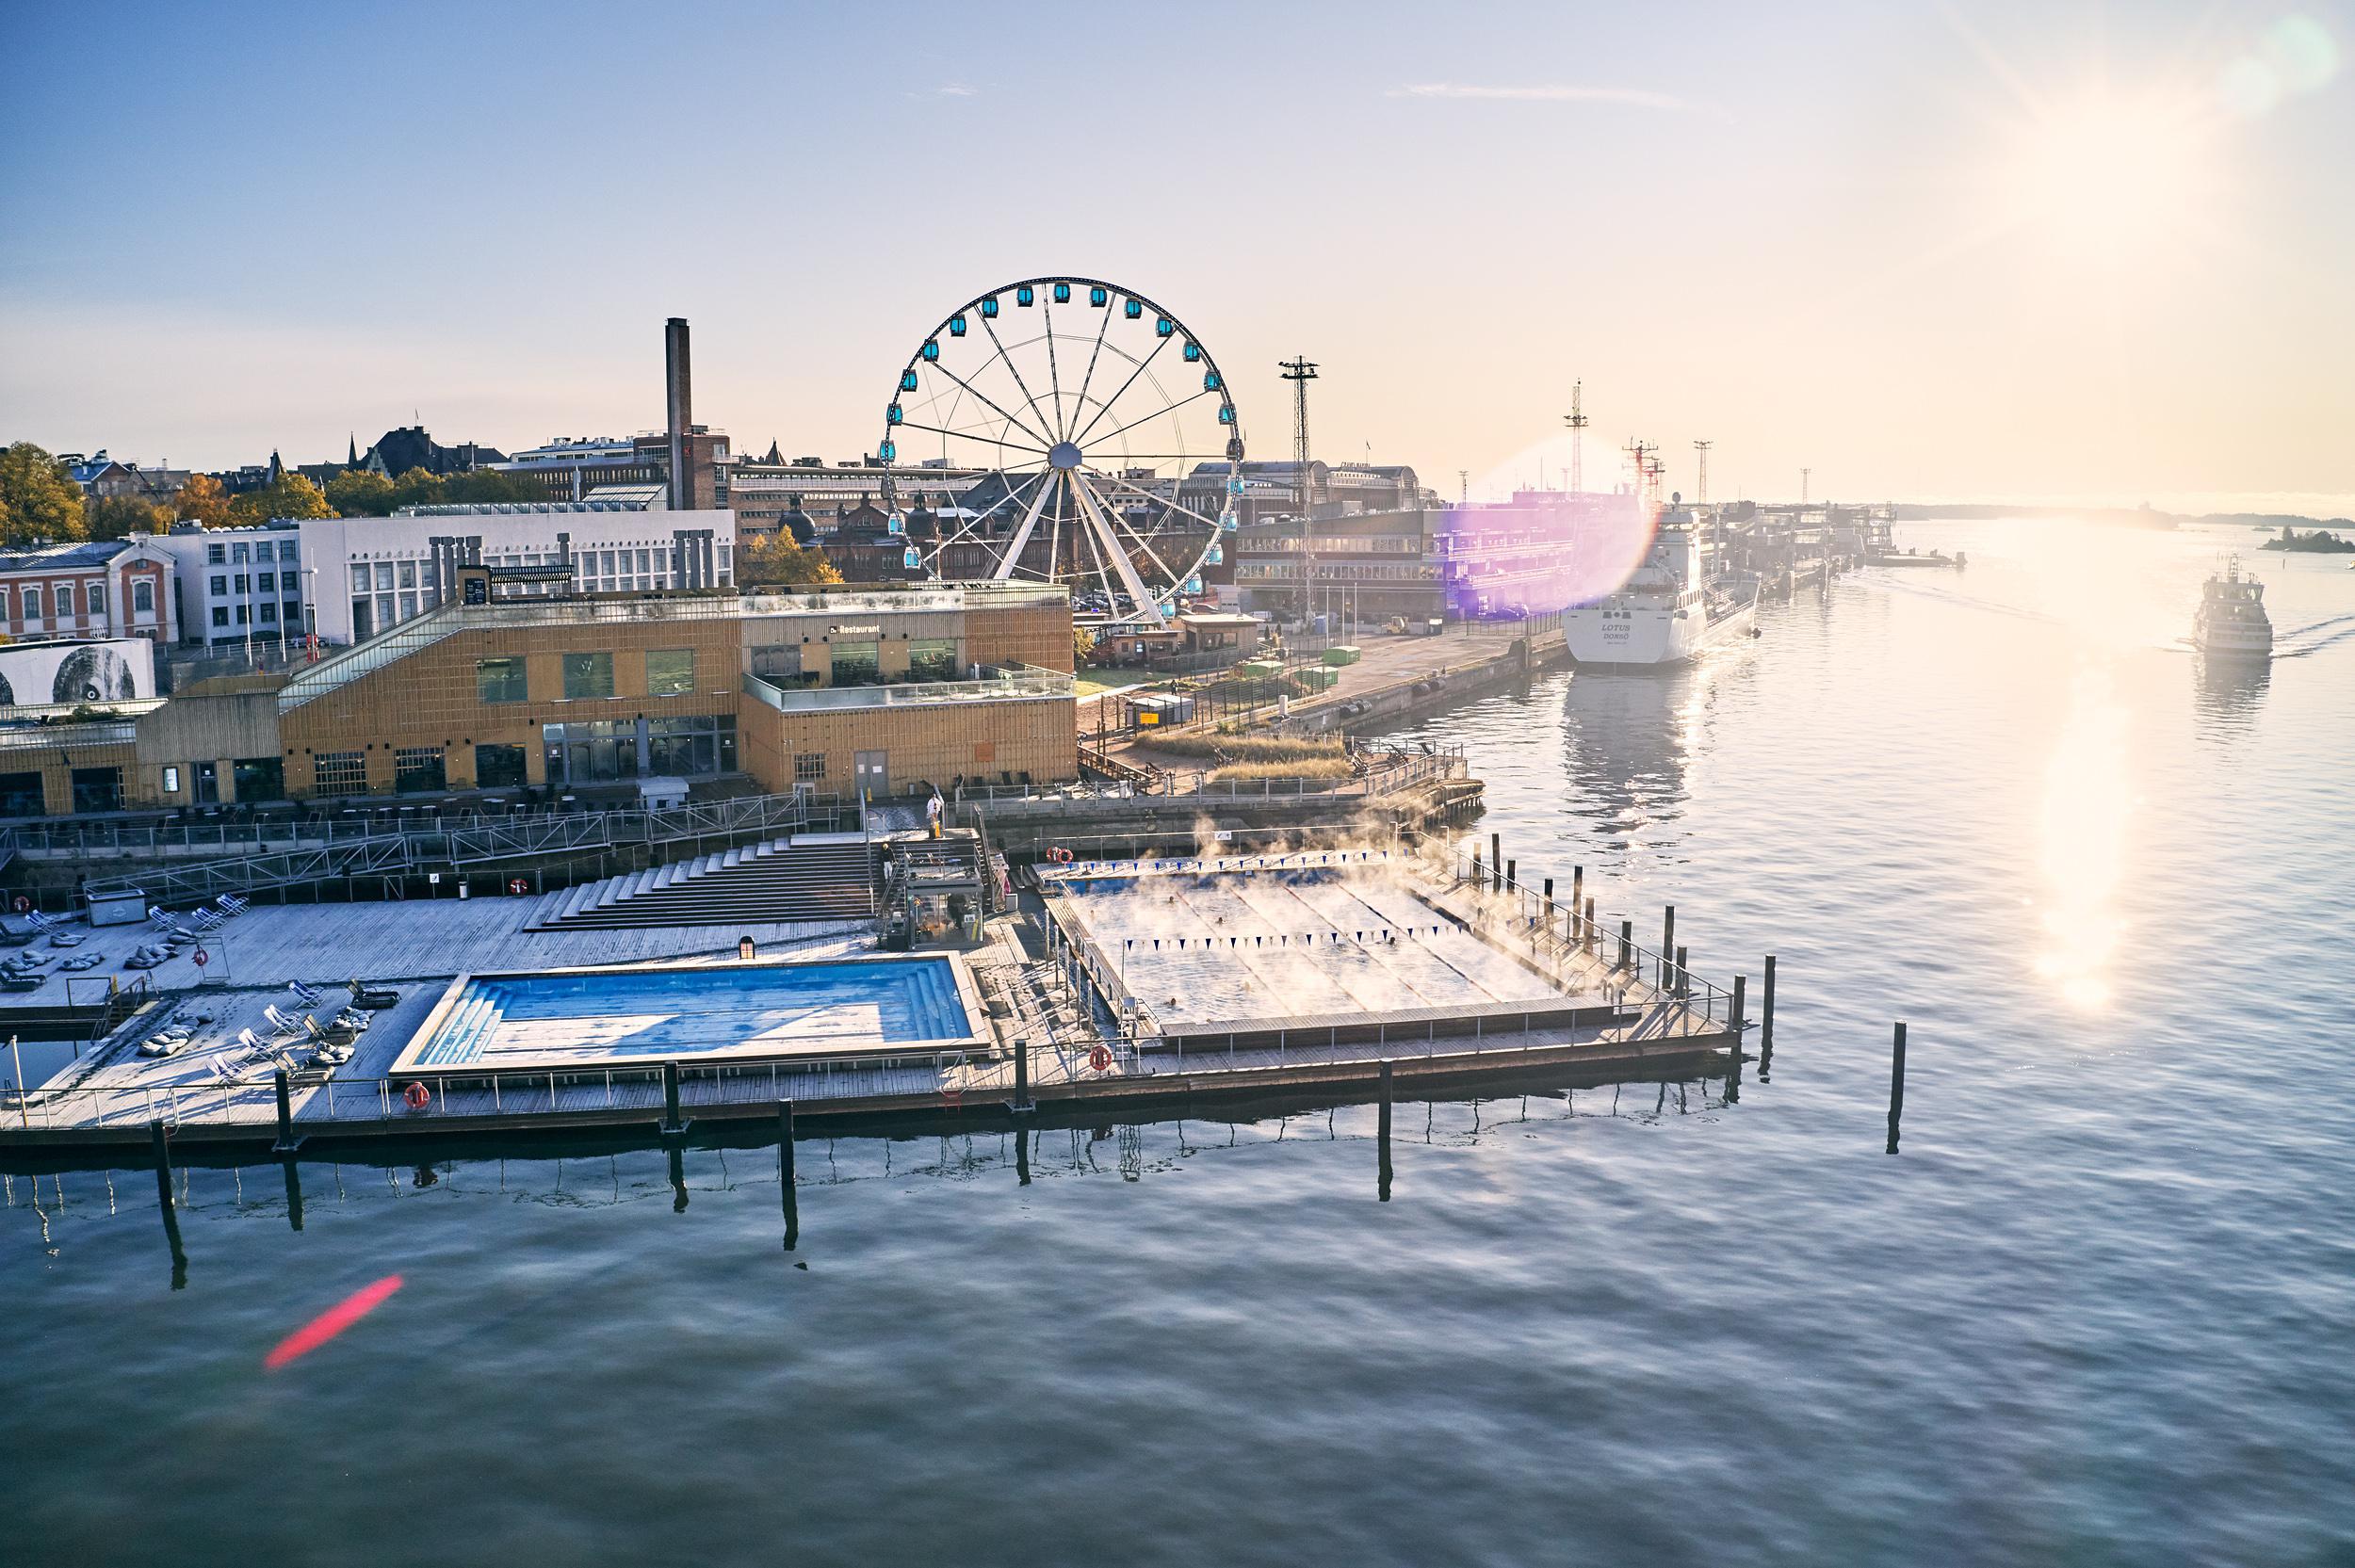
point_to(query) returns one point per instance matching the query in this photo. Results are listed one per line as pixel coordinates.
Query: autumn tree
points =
(293, 498)
(774, 560)
(492, 487)
(119, 516)
(360, 493)
(38, 500)
(202, 501)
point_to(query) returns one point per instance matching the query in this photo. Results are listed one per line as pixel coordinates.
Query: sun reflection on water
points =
(2089, 797)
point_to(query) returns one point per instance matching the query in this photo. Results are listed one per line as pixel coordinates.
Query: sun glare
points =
(2111, 178)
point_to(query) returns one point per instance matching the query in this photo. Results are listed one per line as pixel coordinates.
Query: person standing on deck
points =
(931, 815)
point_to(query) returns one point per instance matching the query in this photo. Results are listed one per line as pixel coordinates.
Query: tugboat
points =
(2232, 621)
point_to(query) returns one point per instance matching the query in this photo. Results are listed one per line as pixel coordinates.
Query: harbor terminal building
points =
(849, 691)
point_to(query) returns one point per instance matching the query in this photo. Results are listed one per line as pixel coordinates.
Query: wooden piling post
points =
(785, 1173)
(1766, 1018)
(1549, 898)
(1577, 895)
(1021, 1077)
(287, 1140)
(671, 1122)
(1668, 945)
(1627, 945)
(1383, 1139)
(1594, 936)
(1897, 1085)
(1684, 975)
(1733, 1074)
(1495, 861)
(1513, 875)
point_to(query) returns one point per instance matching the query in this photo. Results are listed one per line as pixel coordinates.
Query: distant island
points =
(2145, 517)
(2318, 542)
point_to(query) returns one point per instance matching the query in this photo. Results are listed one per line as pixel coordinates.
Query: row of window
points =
(263, 614)
(930, 658)
(670, 672)
(238, 554)
(265, 582)
(93, 596)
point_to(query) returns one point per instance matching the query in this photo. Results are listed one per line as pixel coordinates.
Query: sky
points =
(2007, 251)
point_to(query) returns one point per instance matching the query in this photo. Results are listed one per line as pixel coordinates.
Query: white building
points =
(347, 578)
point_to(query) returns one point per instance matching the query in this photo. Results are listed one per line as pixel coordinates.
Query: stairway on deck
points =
(807, 877)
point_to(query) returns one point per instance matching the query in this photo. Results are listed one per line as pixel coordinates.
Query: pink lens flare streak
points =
(334, 1320)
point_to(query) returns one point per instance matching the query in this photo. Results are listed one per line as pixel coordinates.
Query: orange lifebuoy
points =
(518, 886)
(1060, 855)
(23, 903)
(416, 1096)
(1100, 1058)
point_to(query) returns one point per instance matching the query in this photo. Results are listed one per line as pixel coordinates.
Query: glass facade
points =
(933, 660)
(587, 675)
(499, 680)
(670, 672)
(855, 664)
(608, 751)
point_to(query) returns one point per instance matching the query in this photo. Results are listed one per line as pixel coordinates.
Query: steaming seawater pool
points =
(2100, 1309)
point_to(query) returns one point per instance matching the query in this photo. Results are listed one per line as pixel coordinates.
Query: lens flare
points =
(328, 1324)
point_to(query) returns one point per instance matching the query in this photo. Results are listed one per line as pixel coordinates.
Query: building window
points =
(854, 664)
(215, 555)
(244, 615)
(32, 603)
(670, 672)
(294, 612)
(408, 574)
(245, 584)
(359, 580)
(259, 778)
(286, 550)
(778, 661)
(265, 582)
(98, 789)
(143, 597)
(384, 617)
(237, 555)
(418, 767)
(269, 612)
(339, 772)
(933, 658)
(808, 765)
(65, 600)
(172, 781)
(383, 577)
(408, 606)
(499, 680)
(287, 586)
(220, 615)
(587, 675)
(498, 766)
(97, 594)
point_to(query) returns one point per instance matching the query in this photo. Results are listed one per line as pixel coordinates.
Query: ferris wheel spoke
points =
(1189, 511)
(1145, 603)
(1044, 440)
(981, 436)
(1150, 554)
(1079, 401)
(972, 524)
(1013, 557)
(1159, 345)
(1016, 371)
(1157, 414)
(1054, 378)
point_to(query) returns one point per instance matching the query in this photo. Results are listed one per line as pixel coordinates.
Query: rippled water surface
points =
(2100, 1309)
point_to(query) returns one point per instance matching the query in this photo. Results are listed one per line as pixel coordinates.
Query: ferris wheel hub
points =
(1064, 454)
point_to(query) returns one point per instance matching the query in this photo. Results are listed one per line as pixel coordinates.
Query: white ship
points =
(2232, 621)
(1668, 613)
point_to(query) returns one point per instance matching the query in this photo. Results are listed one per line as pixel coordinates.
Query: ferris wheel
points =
(1074, 432)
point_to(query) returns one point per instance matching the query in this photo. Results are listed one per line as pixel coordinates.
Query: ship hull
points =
(1605, 637)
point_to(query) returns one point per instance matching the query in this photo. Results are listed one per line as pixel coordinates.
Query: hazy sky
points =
(2000, 252)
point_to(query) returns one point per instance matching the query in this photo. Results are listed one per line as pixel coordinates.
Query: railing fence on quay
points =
(1562, 932)
(1387, 772)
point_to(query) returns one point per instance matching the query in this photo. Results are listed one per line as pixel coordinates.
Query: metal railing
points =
(1015, 684)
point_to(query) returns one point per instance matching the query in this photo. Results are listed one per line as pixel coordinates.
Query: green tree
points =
(203, 502)
(773, 560)
(117, 516)
(416, 488)
(294, 497)
(492, 487)
(37, 499)
(360, 493)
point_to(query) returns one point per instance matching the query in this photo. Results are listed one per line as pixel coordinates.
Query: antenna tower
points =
(1803, 480)
(1700, 480)
(1641, 450)
(1575, 419)
(1300, 372)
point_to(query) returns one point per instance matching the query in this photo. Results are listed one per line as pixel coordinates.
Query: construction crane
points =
(1575, 419)
(1700, 480)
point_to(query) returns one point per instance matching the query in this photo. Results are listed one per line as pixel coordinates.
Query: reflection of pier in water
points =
(58, 1200)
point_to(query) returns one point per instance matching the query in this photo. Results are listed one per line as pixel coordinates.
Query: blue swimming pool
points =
(841, 1005)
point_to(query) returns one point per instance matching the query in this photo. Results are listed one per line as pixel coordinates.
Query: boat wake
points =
(2317, 626)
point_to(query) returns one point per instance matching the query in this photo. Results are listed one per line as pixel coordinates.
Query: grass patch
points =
(1251, 748)
(1318, 768)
